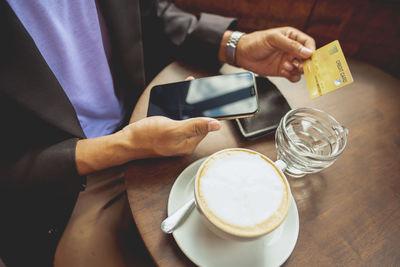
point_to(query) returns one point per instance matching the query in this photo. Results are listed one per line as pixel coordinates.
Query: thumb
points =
(200, 126)
(291, 46)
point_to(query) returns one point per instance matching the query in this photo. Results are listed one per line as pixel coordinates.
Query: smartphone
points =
(227, 96)
(273, 106)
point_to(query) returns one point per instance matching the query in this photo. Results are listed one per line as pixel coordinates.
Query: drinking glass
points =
(308, 140)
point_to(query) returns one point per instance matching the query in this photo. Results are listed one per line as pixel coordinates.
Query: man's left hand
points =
(275, 52)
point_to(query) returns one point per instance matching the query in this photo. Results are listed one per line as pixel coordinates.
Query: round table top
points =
(349, 213)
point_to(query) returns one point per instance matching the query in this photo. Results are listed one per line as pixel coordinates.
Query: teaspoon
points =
(173, 221)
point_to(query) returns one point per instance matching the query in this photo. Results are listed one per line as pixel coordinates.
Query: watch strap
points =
(231, 47)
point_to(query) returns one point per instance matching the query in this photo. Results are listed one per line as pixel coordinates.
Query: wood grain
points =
(349, 213)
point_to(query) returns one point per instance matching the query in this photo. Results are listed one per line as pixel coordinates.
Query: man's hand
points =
(274, 52)
(160, 136)
(147, 138)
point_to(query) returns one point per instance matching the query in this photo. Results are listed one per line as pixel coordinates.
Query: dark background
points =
(367, 29)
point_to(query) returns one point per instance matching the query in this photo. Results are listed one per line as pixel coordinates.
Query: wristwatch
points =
(231, 47)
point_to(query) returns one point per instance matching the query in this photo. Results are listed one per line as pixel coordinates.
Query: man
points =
(70, 74)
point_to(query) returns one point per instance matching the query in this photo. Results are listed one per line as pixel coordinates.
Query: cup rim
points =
(306, 153)
(251, 236)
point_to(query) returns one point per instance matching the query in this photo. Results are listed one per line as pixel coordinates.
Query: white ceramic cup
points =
(241, 194)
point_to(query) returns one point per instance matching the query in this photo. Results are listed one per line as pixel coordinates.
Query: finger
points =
(214, 125)
(294, 78)
(291, 76)
(301, 70)
(189, 78)
(288, 66)
(295, 48)
(200, 126)
(296, 63)
(285, 73)
(302, 38)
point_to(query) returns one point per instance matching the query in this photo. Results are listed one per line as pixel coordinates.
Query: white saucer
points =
(206, 249)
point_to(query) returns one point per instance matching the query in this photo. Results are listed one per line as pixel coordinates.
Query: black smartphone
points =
(273, 106)
(227, 96)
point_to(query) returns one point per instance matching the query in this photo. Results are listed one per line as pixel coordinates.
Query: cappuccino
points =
(242, 193)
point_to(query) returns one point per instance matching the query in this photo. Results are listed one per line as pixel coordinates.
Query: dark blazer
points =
(39, 183)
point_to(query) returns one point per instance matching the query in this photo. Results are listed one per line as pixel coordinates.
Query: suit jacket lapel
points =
(124, 23)
(26, 77)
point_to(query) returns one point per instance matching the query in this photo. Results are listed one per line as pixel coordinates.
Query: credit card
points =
(326, 70)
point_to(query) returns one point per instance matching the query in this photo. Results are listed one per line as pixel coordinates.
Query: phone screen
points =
(223, 96)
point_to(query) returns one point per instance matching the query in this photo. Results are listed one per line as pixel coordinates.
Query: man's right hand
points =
(147, 138)
(160, 136)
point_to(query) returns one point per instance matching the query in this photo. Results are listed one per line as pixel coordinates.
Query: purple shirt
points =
(68, 35)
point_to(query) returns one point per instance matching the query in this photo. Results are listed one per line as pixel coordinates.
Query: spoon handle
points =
(170, 223)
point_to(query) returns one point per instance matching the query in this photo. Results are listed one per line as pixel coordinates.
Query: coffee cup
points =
(241, 194)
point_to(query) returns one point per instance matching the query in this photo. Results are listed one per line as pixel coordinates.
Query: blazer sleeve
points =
(38, 192)
(197, 36)
(50, 167)
(39, 184)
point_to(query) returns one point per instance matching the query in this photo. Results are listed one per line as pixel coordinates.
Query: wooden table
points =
(349, 213)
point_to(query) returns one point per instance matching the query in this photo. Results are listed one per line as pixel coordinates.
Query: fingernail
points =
(189, 78)
(306, 51)
(214, 125)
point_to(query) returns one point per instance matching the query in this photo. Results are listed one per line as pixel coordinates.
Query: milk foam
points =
(242, 189)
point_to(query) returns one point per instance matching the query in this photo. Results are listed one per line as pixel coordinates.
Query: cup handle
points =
(281, 165)
(341, 130)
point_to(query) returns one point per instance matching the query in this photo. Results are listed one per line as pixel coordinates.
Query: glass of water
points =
(308, 140)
